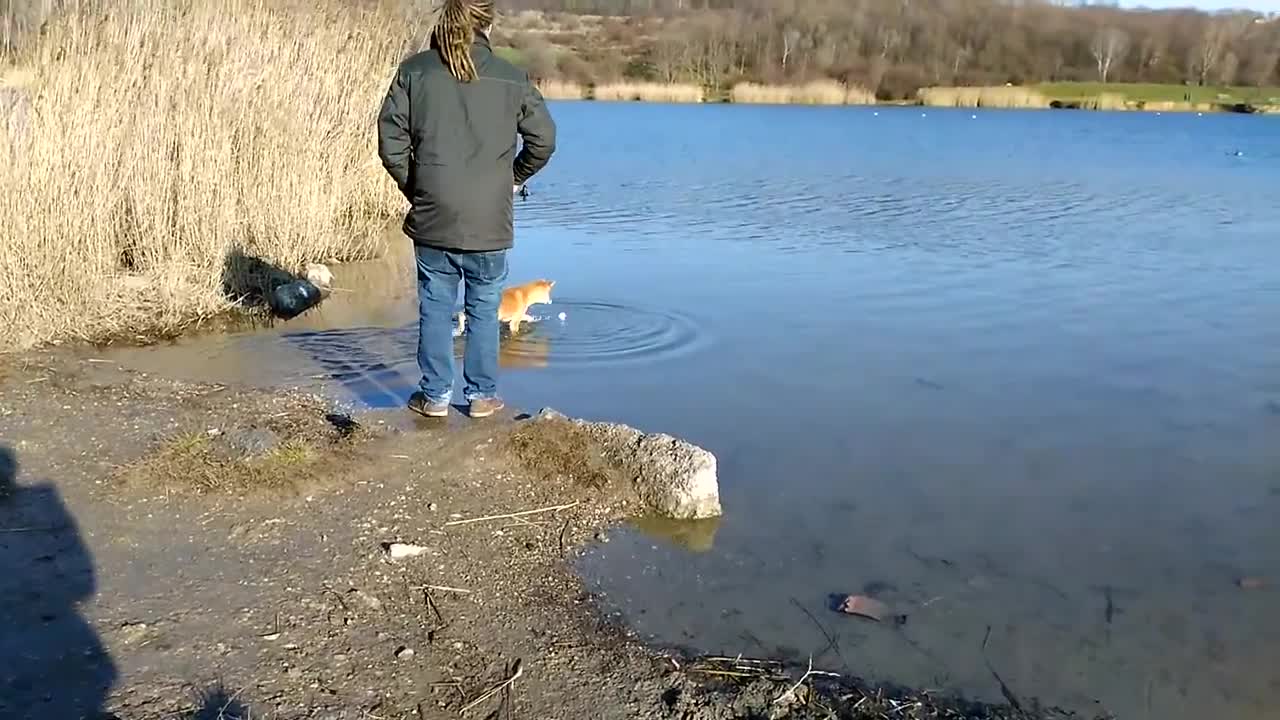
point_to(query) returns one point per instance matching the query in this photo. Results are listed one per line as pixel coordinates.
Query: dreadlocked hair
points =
(456, 30)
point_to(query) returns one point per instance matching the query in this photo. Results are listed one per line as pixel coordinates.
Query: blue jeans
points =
(438, 274)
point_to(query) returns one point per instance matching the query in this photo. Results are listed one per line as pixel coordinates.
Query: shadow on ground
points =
(52, 662)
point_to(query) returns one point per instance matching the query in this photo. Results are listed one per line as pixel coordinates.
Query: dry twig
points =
(508, 516)
(517, 671)
(807, 674)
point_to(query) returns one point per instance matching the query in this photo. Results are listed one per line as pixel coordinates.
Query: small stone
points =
(252, 442)
(133, 632)
(433, 507)
(404, 653)
(398, 551)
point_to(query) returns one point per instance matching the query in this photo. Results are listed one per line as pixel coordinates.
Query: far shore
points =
(1060, 96)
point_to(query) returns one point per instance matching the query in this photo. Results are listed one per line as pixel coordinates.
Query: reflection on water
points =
(377, 367)
(692, 535)
(1016, 372)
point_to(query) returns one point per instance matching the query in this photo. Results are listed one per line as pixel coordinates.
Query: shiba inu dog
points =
(516, 301)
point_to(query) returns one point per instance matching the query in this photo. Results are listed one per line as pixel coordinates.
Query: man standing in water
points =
(447, 135)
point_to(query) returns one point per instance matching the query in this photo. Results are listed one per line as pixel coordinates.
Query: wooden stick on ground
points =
(508, 516)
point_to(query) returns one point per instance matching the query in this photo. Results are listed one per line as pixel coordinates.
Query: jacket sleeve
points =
(395, 147)
(538, 131)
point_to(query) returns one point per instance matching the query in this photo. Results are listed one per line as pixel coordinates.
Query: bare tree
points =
(1218, 35)
(1228, 69)
(790, 38)
(1262, 67)
(1110, 45)
(1151, 53)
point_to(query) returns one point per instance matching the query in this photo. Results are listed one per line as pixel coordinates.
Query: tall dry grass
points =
(998, 97)
(649, 92)
(1106, 101)
(165, 136)
(562, 90)
(818, 92)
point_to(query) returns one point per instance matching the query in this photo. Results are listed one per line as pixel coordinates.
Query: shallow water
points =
(1016, 373)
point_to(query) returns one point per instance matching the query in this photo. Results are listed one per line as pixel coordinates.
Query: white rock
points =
(675, 478)
(319, 275)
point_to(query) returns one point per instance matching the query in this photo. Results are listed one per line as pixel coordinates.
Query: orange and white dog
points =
(516, 301)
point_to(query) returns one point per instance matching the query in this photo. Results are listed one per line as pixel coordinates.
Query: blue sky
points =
(1263, 5)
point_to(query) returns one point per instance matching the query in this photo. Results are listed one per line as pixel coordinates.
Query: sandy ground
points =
(170, 550)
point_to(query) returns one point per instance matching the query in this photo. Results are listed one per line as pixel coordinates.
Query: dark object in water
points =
(292, 299)
(524, 192)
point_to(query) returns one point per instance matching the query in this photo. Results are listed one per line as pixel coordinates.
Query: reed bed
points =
(1176, 106)
(1106, 101)
(1000, 97)
(562, 90)
(818, 92)
(163, 139)
(649, 92)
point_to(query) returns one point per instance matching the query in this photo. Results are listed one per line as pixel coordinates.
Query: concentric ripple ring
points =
(600, 333)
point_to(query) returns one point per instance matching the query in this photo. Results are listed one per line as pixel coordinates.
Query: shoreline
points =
(832, 94)
(237, 545)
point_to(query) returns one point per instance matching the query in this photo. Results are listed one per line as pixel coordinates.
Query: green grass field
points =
(1140, 92)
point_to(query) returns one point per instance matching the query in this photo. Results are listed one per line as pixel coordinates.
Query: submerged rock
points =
(673, 477)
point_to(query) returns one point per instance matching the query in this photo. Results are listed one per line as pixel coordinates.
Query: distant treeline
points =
(892, 47)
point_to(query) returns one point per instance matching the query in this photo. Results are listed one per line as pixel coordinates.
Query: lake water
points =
(1017, 374)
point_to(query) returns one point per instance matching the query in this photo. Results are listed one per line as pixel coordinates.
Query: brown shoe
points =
(419, 403)
(484, 407)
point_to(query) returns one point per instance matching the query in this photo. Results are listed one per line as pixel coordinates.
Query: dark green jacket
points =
(451, 147)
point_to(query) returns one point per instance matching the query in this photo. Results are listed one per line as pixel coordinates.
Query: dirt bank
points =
(177, 550)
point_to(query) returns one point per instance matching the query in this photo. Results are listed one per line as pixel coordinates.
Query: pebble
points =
(404, 550)
(433, 507)
(404, 653)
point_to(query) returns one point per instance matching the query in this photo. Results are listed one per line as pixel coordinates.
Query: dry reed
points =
(166, 136)
(562, 90)
(649, 92)
(818, 92)
(1106, 101)
(1000, 97)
